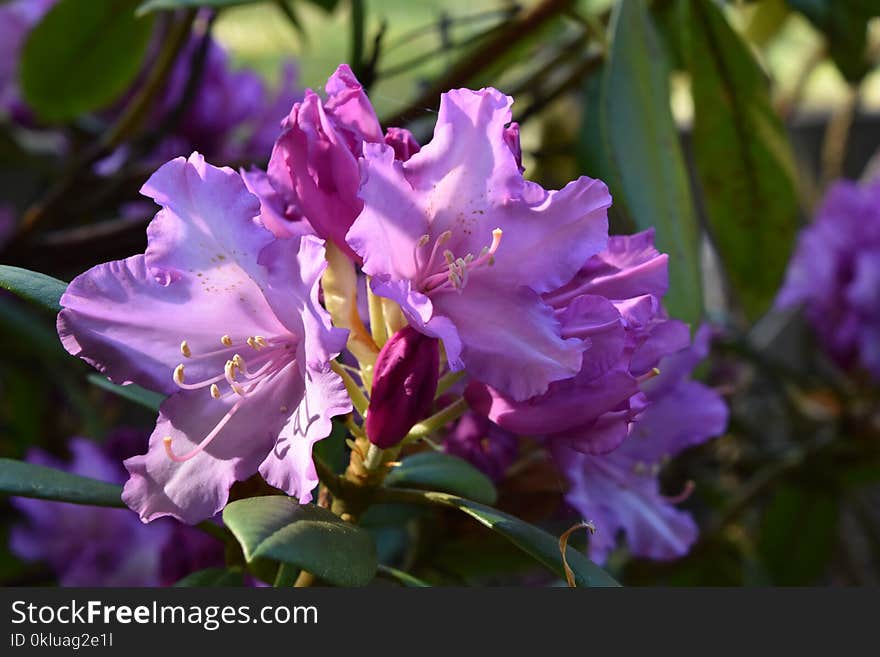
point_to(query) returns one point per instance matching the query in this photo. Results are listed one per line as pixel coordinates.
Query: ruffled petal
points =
(289, 464)
(197, 488)
(510, 338)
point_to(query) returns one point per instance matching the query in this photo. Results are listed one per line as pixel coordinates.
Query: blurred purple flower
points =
(217, 291)
(314, 165)
(430, 236)
(231, 115)
(95, 546)
(835, 274)
(620, 491)
(613, 305)
(485, 445)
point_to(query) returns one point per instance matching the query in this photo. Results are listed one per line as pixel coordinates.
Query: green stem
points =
(437, 421)
(357, 36)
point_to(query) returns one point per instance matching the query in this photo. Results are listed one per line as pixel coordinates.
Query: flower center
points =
(266, 357)
(451, 273)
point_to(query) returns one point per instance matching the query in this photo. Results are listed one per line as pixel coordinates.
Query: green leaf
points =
(82, 56)
(798, 533)
(444, 472)
(845, 26)
(743, 158)
(307, 536)
(170, 5)
(212, 577)
(35, 287)
(542, 546)
(404, 578)
(30, 480)
(650, 179)
(132, 392)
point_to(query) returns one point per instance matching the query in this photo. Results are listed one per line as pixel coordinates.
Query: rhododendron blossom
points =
(466, 245)
(225, 319)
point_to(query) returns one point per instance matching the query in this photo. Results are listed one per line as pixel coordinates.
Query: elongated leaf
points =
(444, 472)
(131, 392)
(35, 287)
(845, 25)
(650, 177)
(307, 536)
(212, 577)
(170, 5)
(29, 480)
(82, 56)
(743, 158)
(542, 546)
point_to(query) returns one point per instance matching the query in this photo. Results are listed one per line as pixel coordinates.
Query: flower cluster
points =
(835, 275)
(484, 291)
(94, 546)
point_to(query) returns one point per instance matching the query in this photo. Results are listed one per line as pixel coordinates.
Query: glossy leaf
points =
(30, 480)
(212, 577)
(307, 536)
(132, 392)
(444, 472)
(649, 176)
(37, 288)
(540, 545)
(82, 56)
(743, 158)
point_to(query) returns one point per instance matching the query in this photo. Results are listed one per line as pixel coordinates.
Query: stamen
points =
(261, 341)
(226, 340)
(215, 391)
(252, 343)
(178, 375)
(229, 371)
(689, 488)
(185, 350)
(647, 376)
(423, 240)
(205, 441)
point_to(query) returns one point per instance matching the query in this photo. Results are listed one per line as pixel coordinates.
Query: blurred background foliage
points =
(719, 124)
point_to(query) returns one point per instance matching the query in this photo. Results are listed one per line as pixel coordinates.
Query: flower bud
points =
(404, 385)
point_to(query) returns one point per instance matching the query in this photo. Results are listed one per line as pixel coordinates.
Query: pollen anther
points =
(185, 350)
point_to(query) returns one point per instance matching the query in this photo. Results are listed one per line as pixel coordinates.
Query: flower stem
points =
(437, 421)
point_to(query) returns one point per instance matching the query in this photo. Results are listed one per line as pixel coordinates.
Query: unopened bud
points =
(404, 385)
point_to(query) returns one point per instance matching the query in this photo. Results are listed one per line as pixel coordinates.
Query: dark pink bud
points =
(404, 385)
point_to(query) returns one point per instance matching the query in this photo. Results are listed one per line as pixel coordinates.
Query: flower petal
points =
(289, 465)
(198, 488)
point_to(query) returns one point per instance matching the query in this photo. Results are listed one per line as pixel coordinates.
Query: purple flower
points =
(620, 491)
(466, 246)
(485, 445)
(94, 546)
(835, 274)
(224, 318)
(404, 384)
(613, 305)
(314, 165)
(231, 116)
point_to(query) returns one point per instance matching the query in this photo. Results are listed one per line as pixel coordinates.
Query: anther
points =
(178, 374)
(215, 391)
(238, 361)
(229, 371)
(252, 343)
(261, 341)
(226, 340)
(423, 240)
(185, 350)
